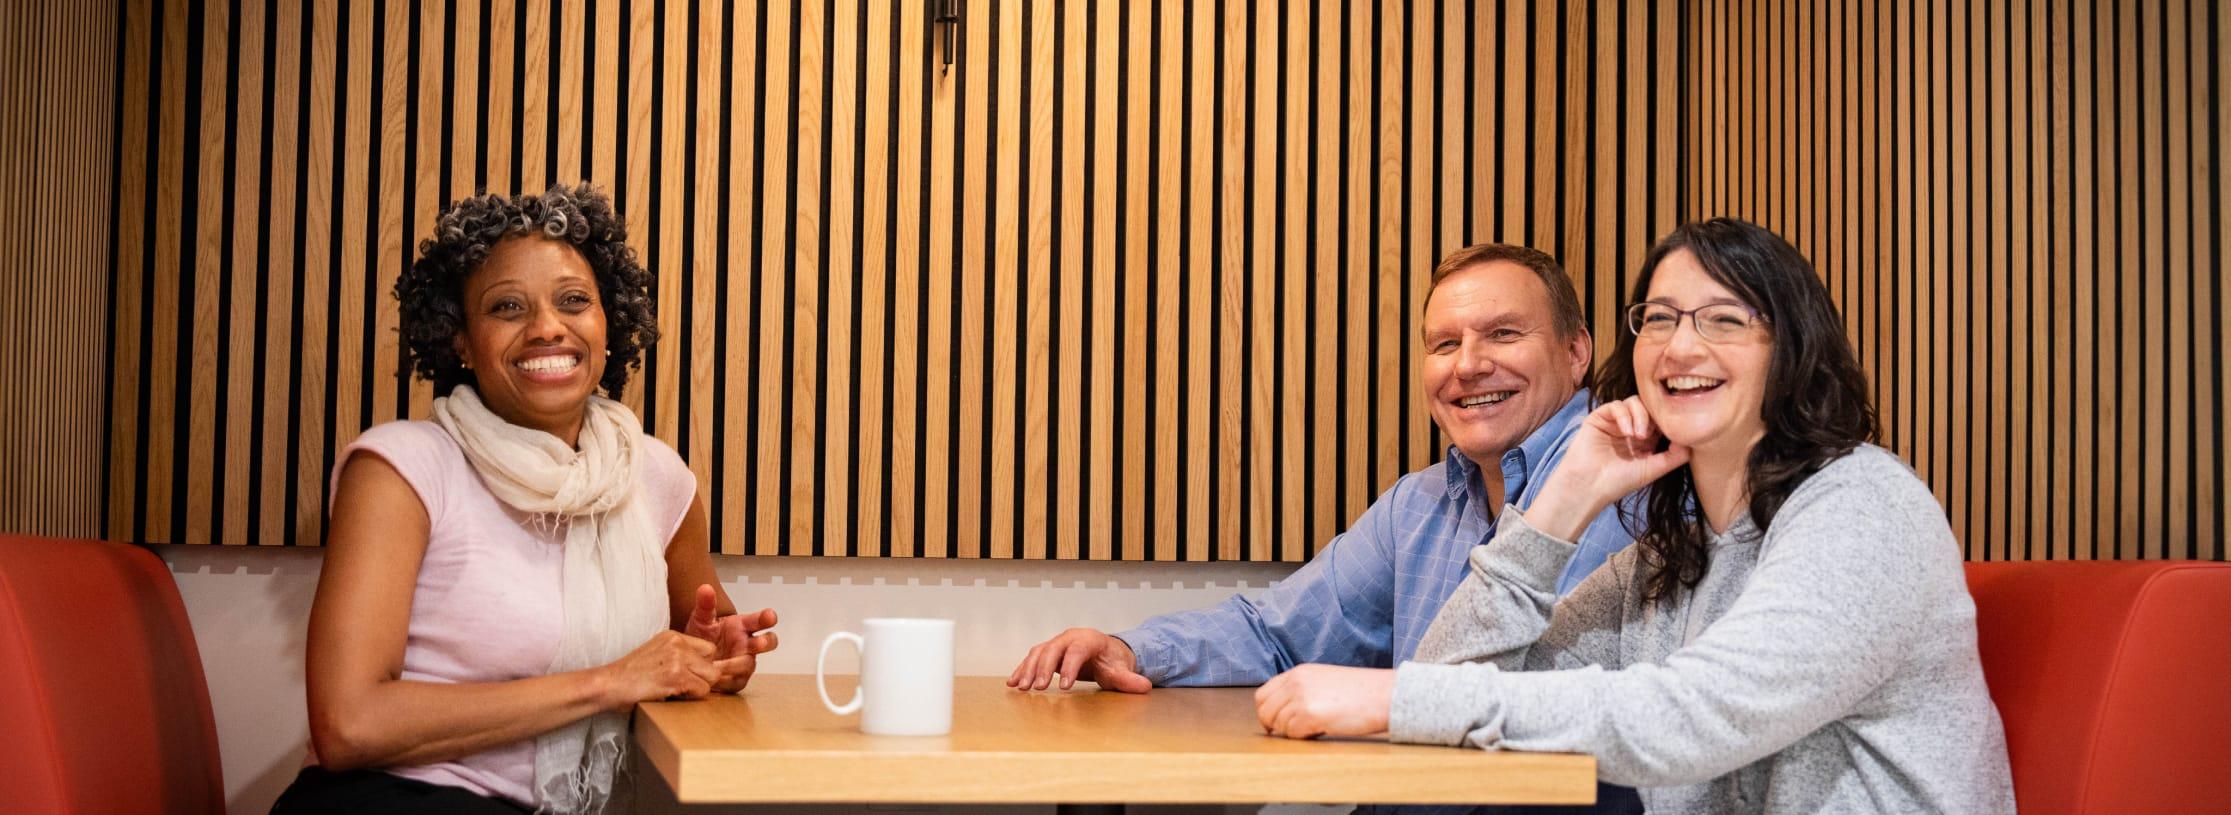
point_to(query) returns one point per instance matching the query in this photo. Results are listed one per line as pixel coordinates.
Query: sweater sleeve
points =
(1507, 612)
(1844, 577)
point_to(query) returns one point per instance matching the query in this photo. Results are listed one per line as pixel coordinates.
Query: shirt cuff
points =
(1530, 556)
(1149, 651)
(1442, 704)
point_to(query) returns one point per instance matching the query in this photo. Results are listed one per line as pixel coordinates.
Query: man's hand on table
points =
(1326, 700)
(1080, 653)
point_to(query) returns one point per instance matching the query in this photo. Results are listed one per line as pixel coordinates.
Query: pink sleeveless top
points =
(486, 607)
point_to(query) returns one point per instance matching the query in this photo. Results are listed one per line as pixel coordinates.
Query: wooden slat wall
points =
(2018, 204)
(1130, 280)
(58, 99)
(1140, 280)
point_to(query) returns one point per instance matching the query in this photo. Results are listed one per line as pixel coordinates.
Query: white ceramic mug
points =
(906, 676)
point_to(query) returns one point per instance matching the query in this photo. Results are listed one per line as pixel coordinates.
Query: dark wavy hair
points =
(432, 290)
(1816, 407)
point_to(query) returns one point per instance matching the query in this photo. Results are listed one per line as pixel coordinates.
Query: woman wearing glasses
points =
(1792, 631)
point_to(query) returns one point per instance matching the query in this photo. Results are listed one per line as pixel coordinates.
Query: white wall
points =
(250, 606)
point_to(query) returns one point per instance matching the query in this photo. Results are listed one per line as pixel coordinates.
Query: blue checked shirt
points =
(1366, 599)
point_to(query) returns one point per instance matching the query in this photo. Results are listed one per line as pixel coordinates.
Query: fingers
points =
(761, 643)
(1634, 419)
(1015, 677)
(1121, 679)
(1269, 698)
(733, 666)
(1071, 663)
(1271, 687)
(692, 685)
(735, 673)
(756, 621)
(1665, 461)
(1270, 710)
(1605, 419)
(696, 657)
(1294, 722)
(1646, 428)
(704, 669)
(1069, 656)
(689, 666)
(1026, 674)
(1049, 660)
(707, 607)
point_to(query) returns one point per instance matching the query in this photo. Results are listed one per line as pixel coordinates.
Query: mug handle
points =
(821, 667)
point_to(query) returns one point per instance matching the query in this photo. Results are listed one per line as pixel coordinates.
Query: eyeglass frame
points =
(1635, 313)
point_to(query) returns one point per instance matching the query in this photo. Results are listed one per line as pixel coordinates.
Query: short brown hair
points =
(1564, 302)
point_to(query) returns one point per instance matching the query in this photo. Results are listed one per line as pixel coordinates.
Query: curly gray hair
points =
(432, 291)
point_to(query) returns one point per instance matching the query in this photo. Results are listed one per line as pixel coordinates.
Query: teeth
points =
(1485, 398)
(1685, 383)
(550, 364)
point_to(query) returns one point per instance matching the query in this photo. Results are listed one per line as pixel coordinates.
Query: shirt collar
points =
(1518, 462)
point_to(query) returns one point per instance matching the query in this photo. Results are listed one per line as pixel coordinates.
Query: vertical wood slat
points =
(208, 49)
(2039, 242)
(128, 277)
(392, 392)
(705, 256)
(59, 77)
(878, 235)
(1102, 273)
(1167, 192)
(243, 109)
(938, 358)
(277, 335)
(2051, 302)
(1140, 430)
(834, 415)
(2205, 68)
(354, 217)
(730, 504)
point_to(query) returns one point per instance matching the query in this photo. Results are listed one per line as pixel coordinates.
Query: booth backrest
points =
(102, 698)
(2114, 680)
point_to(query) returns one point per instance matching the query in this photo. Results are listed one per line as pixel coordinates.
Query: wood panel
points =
(2020, 221)
(1127, 280)
(59, 66)
(1140, 280)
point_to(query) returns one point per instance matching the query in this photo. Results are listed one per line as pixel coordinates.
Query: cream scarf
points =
(615, 569)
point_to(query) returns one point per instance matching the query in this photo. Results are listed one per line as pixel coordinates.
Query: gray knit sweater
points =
(1826, 666)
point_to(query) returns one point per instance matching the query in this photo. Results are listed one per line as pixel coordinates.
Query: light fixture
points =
(947, 15)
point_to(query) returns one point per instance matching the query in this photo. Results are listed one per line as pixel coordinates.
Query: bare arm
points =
(362, 713)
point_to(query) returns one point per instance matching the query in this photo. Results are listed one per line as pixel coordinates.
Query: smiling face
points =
(1495, 368)
(534, 334)
(1706, 395)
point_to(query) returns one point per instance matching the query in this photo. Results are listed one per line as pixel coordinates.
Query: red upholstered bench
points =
(103, 705)
(2114, 679)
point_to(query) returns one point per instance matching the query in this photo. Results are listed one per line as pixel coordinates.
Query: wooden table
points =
(776, 744)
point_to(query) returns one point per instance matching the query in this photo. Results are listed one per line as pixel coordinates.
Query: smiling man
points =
(1505, 354)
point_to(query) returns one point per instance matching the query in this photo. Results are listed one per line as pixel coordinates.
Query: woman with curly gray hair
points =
(504, 582)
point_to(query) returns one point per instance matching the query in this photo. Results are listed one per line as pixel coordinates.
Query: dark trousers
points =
(371, 792)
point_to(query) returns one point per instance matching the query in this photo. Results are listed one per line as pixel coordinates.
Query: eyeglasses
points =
(1719, 322)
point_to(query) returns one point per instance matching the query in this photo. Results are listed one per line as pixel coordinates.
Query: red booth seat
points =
(102, 700)
(2114, 679)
